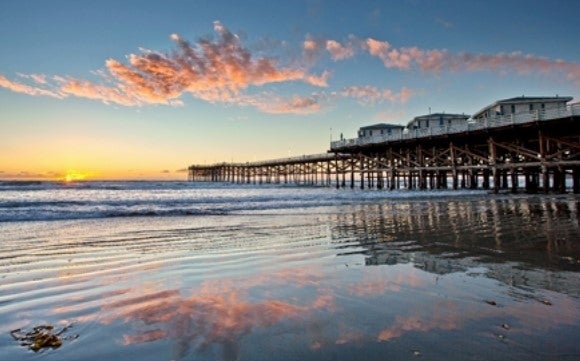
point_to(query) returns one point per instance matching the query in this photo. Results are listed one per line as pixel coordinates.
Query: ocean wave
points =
(161, 199)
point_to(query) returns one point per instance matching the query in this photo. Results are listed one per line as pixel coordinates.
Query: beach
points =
(214, 271)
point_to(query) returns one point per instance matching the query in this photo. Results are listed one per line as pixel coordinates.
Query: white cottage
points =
(437, 120)
(520, 105)
(381, 129)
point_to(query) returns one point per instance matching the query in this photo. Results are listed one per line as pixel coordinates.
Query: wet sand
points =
(461, 278)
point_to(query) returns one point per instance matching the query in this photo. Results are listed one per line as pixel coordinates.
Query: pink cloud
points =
(294, 105)
(443, 316)
(376, 47)
(27, 89)
(437, 60)
(88, 90)
(338, 51)
(318, 80)
(311, 49)
(370, 95)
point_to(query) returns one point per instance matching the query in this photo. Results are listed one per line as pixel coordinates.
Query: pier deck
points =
(536, 151)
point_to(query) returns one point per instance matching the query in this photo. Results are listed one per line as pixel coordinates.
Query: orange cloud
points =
(215, 71)
(88, 90)
(27, 89)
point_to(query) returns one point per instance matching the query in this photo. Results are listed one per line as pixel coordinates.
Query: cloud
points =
(27, 89)
(294, 105)
(25, 175)
(37, 78)
(444, 23)
(438, 60)
(214, 71)
(318, 80)
(370, 95)
(312, 48)
(89, 90)
(338, 51)
(389, 116)
(222, 70)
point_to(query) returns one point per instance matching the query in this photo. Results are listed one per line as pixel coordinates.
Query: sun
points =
(72, 176)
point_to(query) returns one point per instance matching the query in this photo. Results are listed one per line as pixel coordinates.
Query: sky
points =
(142, 89)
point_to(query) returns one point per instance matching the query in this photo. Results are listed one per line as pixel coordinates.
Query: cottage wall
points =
(508, 108)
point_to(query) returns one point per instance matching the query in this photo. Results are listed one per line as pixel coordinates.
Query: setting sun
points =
(72, 176)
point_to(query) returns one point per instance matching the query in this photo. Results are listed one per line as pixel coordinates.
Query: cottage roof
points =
(382, 126)
(525, 100)
(437, 116)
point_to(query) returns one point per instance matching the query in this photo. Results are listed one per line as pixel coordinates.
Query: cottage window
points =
(370, 132)
(531, 107)
(389, 131)
(441, 121)
(501, 110)
(543, 106)
(382, 131)
(513, 109)
(427, 123)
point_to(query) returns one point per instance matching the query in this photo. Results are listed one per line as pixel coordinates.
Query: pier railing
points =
(278, 161)
(470, 125)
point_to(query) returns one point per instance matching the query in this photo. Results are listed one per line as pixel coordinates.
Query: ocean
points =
(215, 271)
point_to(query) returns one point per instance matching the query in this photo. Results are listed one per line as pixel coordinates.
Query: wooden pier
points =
(535, 152)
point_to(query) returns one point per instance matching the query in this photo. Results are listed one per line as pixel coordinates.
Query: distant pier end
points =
(529, 143)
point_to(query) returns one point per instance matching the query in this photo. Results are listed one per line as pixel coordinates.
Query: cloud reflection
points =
(218, 315)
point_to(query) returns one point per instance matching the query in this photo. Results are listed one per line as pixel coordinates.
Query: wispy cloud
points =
(438, 60)
(370, 95)
(37, 78)
(385, 116)
(18, 87)
(313, 48)
(294, 105)
(444, 23)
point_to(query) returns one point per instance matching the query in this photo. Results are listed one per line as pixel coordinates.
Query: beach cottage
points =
(381, 129)
(519, 105)
(437, 120)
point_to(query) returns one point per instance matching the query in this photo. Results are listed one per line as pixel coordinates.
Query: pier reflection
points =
(519, 235)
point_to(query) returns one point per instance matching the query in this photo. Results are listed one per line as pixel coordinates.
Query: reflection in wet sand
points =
(216, 318)
(449, 236)
(475, 278)
(217, 315)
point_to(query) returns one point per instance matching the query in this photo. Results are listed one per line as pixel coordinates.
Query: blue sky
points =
(270, 78)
